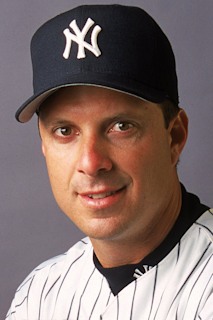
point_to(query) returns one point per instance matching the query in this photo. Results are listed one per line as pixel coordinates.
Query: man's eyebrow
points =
(122, 116)
(60, 122)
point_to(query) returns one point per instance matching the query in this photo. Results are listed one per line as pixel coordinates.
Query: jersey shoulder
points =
(58, 263)
(52, 270)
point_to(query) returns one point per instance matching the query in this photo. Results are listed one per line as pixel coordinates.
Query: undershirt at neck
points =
(120, 277)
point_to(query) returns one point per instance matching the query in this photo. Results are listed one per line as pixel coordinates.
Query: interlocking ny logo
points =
(79, 37)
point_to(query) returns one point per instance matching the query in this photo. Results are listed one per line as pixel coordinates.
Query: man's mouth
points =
(101, 195)
(101, 199)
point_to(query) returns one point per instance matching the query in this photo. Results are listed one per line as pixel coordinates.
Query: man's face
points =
(111, 162)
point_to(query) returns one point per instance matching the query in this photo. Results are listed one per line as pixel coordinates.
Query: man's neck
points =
(119, 277)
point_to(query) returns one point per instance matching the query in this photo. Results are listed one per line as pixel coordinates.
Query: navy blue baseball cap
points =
(112, 46)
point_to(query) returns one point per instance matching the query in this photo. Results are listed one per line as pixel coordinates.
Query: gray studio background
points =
(32, 229)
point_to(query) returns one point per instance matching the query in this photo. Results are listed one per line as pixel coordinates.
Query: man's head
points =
(105, 91)
(111, 46)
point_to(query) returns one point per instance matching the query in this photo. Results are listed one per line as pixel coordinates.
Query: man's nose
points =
(94, 157)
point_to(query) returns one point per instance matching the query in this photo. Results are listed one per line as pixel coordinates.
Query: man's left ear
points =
(178, 129)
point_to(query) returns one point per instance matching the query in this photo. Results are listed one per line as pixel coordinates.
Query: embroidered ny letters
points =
(79, 38)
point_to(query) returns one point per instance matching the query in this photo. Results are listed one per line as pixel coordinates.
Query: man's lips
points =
(100, 194)
(102, 198)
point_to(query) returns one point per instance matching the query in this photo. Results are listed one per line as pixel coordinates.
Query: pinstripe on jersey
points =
(70, 287)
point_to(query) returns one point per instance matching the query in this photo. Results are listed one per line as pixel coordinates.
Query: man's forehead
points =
(85, 98)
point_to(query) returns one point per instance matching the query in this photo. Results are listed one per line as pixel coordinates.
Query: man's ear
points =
(43, 149)
(178, 129)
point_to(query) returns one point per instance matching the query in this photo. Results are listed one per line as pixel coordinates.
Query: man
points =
(105, 92)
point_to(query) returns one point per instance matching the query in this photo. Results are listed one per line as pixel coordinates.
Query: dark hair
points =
(170, 110)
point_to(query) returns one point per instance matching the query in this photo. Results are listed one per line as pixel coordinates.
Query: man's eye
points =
(64, 131)
(122, 126)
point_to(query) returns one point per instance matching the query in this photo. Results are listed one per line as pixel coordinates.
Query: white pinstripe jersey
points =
(180, 287)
